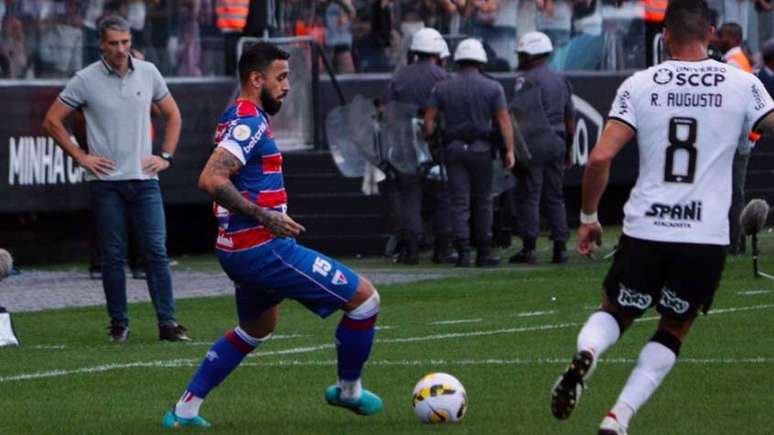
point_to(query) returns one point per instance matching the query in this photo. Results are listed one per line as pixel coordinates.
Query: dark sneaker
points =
(464, 260)
(447, 256)
(173, 333)
(524, 256)
(119, 332)
(409, 258)
(568, 388)
(560, 253)
(488, 260)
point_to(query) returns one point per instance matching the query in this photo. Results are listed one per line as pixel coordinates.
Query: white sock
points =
(599, 333)
(653, 364)
(188, 405)
(350, 390)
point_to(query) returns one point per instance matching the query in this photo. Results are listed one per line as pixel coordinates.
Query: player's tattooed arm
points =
(215, 179)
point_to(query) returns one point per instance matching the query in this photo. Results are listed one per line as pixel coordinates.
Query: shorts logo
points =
(241, 132)
(339, 278)
(322, 266)
(670, 300)
(630, 298)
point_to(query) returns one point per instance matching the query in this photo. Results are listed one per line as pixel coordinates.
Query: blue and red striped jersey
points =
(245, 132)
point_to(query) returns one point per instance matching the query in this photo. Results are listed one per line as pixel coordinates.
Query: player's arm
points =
(53, 125)
(615, 135)
(215, 179)
(506, 129)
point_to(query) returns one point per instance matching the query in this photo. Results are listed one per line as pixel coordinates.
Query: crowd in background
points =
(55, 38)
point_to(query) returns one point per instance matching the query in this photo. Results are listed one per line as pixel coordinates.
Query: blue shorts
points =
(280, 269)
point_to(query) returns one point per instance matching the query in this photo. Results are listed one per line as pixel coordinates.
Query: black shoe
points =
(173, 333)
(119, 332)
(488, 260)
(568, 388)
(560, 253)
(524, 256)
(464, 260)
(409, 258)
(447, 256)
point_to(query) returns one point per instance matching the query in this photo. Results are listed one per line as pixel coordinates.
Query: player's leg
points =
(655, 361)
(693, 274)
(221, 359)
(633, 276)
(354, 339)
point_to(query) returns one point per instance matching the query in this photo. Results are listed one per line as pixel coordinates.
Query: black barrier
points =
(36, 176)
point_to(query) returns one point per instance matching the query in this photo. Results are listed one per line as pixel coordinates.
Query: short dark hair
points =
(112, 22)
(733, 30)
(687, 20)
(258, 57)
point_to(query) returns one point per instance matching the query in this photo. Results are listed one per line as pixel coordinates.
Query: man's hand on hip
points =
(96, 165)
(152, 165)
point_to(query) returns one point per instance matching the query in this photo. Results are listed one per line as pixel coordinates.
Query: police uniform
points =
(412, 85)
(547, 98)
(468, 102)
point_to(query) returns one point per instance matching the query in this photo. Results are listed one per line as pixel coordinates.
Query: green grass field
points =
(506, 335)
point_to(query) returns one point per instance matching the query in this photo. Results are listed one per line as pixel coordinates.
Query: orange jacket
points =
(232, 14)
(737, 58)
(655, 10)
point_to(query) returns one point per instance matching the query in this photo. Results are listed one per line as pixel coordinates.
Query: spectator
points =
(766, 73)
(192, 13)
(61, 40)
(93, 12)
(495, 23)
(338, 34)
(554, 18)
(231, 18)
(122, 172)
(136, 10)
(12, 44)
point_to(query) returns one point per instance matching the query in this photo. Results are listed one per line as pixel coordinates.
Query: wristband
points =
(588, 218)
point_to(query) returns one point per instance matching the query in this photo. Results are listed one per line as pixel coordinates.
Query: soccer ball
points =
(438, 398)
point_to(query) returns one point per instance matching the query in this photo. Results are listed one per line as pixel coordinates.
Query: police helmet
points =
(428, 40)
(470, 49)
(535, 43)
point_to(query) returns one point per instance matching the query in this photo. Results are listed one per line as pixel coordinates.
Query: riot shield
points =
(502, 179)
(352, 133)
(402, 142)
(527, 110)
(363, 122)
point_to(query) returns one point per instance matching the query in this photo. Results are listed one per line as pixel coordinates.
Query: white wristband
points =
(588, 218)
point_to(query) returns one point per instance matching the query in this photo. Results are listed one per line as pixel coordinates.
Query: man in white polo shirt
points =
(115, 95)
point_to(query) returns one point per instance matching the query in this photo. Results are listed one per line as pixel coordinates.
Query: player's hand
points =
(509, 160)
(588, 236)
(152, 165)
(281, 224)
(97, 165)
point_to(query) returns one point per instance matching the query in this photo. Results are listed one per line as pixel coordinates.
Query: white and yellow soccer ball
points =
(440, 397)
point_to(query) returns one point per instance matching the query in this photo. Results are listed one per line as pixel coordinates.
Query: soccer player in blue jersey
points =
(255, 247)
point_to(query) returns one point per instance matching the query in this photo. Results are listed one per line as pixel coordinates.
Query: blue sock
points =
(353, 345)
(222, 358)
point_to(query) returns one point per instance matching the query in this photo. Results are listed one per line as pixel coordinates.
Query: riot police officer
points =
(469, 103)
(548, 128)
(412, 85)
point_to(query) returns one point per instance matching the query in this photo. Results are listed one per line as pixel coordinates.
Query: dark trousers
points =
(543, 184)
(411, 190)
(737, 201)
(470, 188)
(112, 202)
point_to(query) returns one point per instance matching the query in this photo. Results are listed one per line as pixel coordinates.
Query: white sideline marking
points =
(297, 350)
(754, 292)
(454, 322)
(385, 327)
(535, 313)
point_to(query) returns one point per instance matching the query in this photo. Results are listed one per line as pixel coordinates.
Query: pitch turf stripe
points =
(297, 350)
(535, 313)
(754, 292)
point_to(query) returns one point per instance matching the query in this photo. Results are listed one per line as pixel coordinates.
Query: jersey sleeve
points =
(74, 93)
(160, 90)
(435, 100)
(243, 138)
(498, 99)
(623, 105)
(760, 103)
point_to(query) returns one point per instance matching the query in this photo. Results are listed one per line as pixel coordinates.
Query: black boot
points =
(560, 253)
(527, 254)
(463, 249)
(443, 252)
(410, 254)
(485, 258)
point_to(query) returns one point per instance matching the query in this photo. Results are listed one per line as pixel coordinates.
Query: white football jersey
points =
(689, 117)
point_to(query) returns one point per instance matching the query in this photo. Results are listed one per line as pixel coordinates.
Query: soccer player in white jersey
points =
(687, 114)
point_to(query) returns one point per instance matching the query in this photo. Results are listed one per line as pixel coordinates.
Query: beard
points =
(270, 104)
